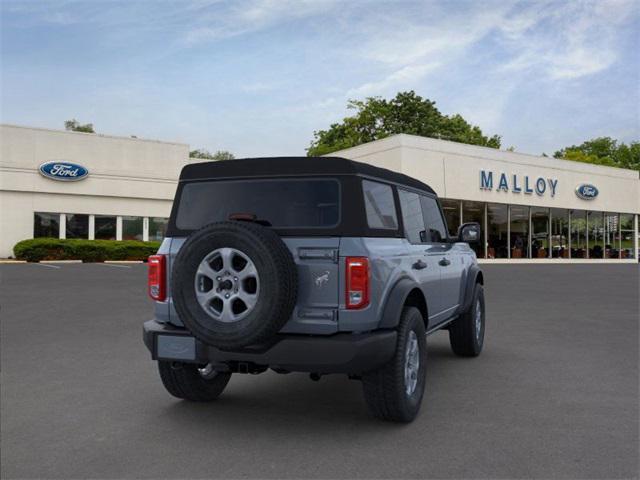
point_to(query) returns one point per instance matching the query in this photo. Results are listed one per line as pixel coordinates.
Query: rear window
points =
(289, 203)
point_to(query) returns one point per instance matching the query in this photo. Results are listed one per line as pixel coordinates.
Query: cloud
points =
(251, 16)
(400, 79)
(565, 41)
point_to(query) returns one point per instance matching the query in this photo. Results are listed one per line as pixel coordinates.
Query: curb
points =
(8, 261)
(557, 261)
(124, 261)
(60, 261)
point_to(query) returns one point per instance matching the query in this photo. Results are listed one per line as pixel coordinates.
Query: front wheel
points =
(395, 391)
(190, 382)
(466, 333)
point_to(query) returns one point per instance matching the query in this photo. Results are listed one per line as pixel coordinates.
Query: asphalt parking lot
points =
(554, 394)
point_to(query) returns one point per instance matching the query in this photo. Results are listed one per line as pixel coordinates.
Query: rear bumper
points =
(339, 353)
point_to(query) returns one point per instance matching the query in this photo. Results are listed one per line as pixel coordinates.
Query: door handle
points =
(419, 265)
(444, 262)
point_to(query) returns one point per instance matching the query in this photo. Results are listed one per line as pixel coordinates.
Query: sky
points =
(258, 77)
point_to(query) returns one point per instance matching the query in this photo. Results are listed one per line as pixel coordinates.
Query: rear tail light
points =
(156, 280)
(357, 286)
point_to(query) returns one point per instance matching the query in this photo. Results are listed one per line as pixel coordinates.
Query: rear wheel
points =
(395, 391)
(466, 333)
(190, 382)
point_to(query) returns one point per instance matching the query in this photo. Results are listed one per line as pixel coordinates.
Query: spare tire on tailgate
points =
(234, 284)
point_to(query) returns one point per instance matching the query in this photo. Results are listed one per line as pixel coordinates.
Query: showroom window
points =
(497, 230)
(46, 225)
(77, 226)
(559, 233)
(539, 232)
(105, 227)
(519, 231)
(595, 236)
(474, 212)
(611, 235)
(578, 234)
(626, 236)
(451, 209)
(132, 228)
(157, 228)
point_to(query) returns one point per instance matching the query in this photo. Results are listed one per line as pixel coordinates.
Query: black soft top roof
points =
(293, 166)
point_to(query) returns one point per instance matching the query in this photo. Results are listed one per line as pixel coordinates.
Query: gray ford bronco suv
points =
(318, 265)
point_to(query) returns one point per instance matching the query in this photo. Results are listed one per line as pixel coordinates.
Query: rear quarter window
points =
(379, 205)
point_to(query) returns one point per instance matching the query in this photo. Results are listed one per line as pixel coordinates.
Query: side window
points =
(412, 216)
(436, 231)
(379, 204)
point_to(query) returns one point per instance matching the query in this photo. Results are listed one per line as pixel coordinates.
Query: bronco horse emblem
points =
(321, 279)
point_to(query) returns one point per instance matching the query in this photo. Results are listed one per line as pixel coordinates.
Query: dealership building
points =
(531, 209)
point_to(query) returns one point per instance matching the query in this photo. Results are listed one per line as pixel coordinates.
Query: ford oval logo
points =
(63, 171)
(586, 191)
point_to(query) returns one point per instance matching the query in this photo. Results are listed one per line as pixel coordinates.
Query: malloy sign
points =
(518, 183)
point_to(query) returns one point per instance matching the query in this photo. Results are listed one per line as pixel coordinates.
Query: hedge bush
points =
(37, 249)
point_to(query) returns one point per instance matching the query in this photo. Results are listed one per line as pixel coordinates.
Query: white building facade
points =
(530, 208)
(127, 193)
(536, 209)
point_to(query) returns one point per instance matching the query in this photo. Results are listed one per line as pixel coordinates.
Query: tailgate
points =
(316, 311)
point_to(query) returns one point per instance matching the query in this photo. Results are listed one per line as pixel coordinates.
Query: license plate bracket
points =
(175, 347)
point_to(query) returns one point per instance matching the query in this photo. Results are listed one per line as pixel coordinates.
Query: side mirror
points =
(469, 232)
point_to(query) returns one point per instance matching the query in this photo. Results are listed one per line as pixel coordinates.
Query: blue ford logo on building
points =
(586, 191)
(63, 171)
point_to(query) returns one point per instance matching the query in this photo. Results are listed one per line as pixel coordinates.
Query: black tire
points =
(385, 389)
(465, 338)
(277, 291)
(183, 380)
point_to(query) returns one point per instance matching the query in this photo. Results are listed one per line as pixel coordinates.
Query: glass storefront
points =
(132, 228)
(519, 231)
(100, 227)
(157, 228)
(540, 247)
(611, 235)
(46, 225)
(595, 239)
(451, 209)
(474, 212)
(559, 233)
(578, 234)
(626, 236)
(77, 226)
(497, 230)
(105, 227)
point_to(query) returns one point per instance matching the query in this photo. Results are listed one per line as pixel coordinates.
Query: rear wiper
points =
(249, 217)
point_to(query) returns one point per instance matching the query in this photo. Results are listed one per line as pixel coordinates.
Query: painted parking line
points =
(113, 265)
(46, 265)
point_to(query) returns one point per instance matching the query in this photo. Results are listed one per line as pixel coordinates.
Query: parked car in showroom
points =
(318, 265)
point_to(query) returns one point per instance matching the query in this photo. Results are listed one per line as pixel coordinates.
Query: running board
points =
(440, 326)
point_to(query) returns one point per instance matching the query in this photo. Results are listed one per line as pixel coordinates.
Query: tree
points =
(75, 126)
(205, 154)
(604, 151)
(377, 118)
